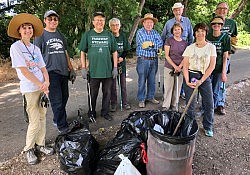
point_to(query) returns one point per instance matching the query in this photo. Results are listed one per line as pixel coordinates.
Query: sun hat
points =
(50, 12)
(149, 16)
(177, 5)
(23, 18)
(217, 20)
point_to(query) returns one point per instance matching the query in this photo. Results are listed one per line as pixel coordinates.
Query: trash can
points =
(170, 155)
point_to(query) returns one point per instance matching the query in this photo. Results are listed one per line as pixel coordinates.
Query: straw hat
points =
(177, 5)
(23, 18)
(149, 16)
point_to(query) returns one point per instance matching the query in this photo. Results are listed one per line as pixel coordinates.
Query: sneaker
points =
(113, 108)
(127, 106)
(221, 110)
(154, 101)
(108, 117)
(31, 157)
(141, 104)
(45, 150)
(209, 133)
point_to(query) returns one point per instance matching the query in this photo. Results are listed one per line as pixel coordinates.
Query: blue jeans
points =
(206, 92)
(146, 70)
(59, 94)
(216, 86)
(222, 91)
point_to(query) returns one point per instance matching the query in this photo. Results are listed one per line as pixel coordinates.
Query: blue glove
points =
(84, 73)
(115, 72)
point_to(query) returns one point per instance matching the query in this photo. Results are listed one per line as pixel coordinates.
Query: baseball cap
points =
(98, 14)
(49, 13)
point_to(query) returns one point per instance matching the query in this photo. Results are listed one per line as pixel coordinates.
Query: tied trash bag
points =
(77, 149)
(126, 167)
(130, 141)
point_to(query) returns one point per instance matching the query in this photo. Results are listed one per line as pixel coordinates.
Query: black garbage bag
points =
(130, 141)
(77, 150)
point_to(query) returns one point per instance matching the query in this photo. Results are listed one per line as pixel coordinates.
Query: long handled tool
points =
(119, 84)
(91, 115)
(177, 94)
(186, 108)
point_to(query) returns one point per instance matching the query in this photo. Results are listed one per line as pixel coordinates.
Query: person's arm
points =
(83, 60)
(224, 67)
(115, 56)
(169, 60)
(68, 60)
(185, 72)
(46, 83)
(209, 70)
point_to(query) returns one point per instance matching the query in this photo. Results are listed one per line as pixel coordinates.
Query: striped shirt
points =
(143, 36)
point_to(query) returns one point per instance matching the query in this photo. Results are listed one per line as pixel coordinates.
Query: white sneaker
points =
(31, 157)
(45, 150)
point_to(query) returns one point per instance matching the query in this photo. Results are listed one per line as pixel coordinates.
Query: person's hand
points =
(120, 59)
(115, 72)
(72, 76)
(84, 73)
(224, 77)
(147, 44)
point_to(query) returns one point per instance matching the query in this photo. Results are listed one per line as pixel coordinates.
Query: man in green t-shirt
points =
(98, 45)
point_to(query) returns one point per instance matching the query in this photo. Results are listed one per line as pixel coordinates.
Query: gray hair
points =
(116, 20)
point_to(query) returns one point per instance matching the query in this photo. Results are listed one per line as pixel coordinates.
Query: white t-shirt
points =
(21, 57)
(199, 58)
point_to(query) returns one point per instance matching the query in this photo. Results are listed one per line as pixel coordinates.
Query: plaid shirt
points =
(143, 36)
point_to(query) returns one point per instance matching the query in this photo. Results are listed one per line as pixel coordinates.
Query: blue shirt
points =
(187, 33)
(143, 36)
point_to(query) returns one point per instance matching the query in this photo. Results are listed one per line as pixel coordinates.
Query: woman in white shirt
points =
(198, 64)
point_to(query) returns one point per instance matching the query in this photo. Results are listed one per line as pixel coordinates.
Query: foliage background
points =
(75, 16)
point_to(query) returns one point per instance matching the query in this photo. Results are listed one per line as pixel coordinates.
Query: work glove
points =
(234, 40)
(44, 100)
(84, 73)
(115, 72)
(147, 44)
(72, 76)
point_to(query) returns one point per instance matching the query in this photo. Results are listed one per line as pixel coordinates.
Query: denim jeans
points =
(106, 91)
(216, 86)
(206, 93)
(113, 99)
(222, 91)
(59, 94)
(146, 70)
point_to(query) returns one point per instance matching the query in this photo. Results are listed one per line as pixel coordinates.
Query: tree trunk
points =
(185, 3)
(136, 23)
(241, 7)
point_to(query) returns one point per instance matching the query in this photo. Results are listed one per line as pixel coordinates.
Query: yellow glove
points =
(234, 40)
(147, 44)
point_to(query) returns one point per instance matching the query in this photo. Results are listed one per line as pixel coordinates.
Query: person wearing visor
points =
(54, 50)
(222, 44)
(34, 80)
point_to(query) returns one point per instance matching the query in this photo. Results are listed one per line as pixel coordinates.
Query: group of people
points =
(44, 68)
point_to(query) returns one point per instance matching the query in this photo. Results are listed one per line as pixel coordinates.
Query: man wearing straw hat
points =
(54, 50)
(34, 80)
(148, 41)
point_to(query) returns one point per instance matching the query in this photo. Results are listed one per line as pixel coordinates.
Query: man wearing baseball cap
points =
(54, 50)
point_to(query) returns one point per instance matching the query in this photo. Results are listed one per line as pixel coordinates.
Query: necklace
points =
(32, 55)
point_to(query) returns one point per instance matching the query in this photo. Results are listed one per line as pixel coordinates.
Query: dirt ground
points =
(227, 153)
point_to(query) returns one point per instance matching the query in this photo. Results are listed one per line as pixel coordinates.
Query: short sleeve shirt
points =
(175, 51)
(31, 59)
(99, 48)
(199, 58)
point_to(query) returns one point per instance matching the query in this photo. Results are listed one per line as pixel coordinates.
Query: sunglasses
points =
(52, 18)
(217, 23)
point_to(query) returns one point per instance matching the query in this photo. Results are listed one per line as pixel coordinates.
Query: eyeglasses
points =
(115, 25)
(99, 20)
(51, 18)
(221, 8)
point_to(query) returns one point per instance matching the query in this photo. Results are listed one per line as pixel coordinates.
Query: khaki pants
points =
(37, 121)
(170, 98)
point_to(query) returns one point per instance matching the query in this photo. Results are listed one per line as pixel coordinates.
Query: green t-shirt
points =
(222, 45)
(229, 27)
(123, 45)
(99, 48)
